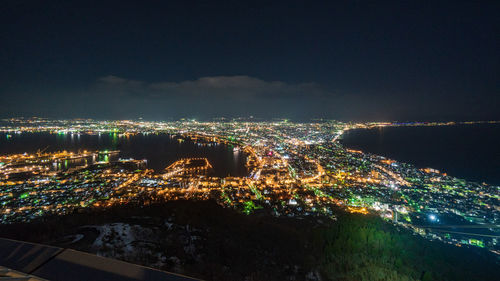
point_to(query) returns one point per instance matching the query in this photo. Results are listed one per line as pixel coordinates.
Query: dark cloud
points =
(439, 62)
(240, 87)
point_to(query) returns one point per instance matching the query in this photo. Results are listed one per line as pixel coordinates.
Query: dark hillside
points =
(202, 239)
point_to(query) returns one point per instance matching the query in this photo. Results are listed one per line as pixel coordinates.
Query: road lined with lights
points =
(294, 169)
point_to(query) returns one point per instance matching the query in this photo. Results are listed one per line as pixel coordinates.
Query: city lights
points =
(295, 169)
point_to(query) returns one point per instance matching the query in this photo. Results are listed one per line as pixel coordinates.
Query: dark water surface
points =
(471, 152)
(160, 150)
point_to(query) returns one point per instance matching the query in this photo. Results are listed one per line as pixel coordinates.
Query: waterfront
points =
(463, 151)
(294, 170)
(160, 150)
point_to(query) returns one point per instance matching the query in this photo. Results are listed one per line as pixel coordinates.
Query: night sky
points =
(423, 60)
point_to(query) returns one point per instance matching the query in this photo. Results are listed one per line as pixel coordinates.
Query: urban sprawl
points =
(294, 169)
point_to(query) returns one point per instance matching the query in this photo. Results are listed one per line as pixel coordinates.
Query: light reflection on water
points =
(160, 150)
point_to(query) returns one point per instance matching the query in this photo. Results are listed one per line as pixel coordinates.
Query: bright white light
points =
(432, 217)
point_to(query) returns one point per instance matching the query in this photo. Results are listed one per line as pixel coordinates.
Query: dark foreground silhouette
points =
(204, 240)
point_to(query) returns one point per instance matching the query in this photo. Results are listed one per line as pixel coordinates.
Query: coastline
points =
(379, 140)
